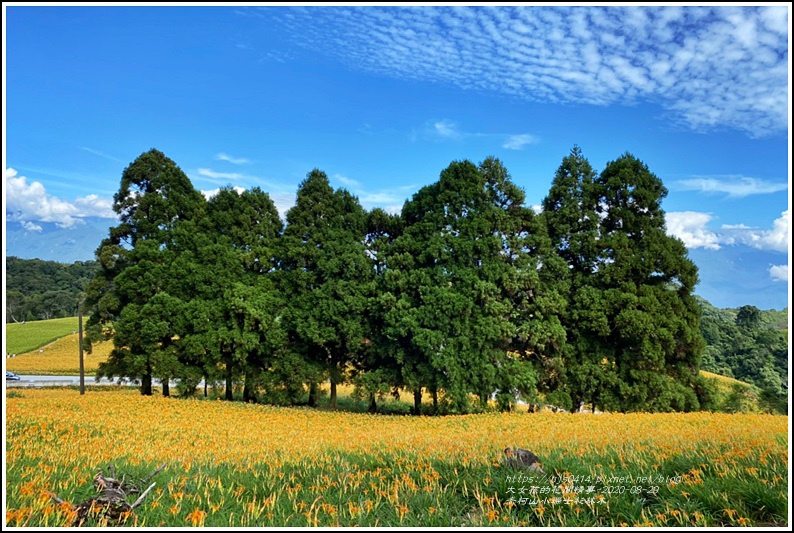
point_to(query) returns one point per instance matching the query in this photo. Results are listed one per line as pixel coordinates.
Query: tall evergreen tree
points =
(532, 284)
(647, 281)
(454, 286)
(329, 278)
(247, 224)
(570, 212)
(632, 320)
(376, 372)
(154, 196)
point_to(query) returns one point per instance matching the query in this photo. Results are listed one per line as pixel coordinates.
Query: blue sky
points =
(384, 98)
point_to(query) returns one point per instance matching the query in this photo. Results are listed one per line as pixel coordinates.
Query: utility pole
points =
(80, 344)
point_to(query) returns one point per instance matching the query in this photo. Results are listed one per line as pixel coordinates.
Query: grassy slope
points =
(61, 357)
(25, 337)
(733, 395)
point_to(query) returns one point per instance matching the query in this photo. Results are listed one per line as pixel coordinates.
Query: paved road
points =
(60, 381)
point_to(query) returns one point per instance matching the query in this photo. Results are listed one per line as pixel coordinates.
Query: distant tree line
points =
(467, 294)
(41, 290)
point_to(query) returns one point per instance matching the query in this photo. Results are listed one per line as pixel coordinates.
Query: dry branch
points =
(110, 505)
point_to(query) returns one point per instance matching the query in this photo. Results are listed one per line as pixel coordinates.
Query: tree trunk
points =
(418, 401)
(333, 393)
(205, 386)
(146, 383)
(373, 406)
(435, 400)
(249, 395)
(166, 390)
(313, 393)
(229, 383)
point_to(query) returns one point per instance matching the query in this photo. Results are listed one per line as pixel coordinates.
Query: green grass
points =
(349, 489)
(25, 337)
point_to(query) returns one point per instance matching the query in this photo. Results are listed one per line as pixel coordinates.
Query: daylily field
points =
(235, 464)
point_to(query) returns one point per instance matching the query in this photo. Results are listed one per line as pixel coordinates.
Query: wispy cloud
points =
(709, 66)
(209, 173)
(446, 129)
(692, 228)
(100, 154)
(347, 182)
(275, 188)
(518, 142)
(30, 204)
(233, 160)
(449, 130)
(390, 199)
(734, 186)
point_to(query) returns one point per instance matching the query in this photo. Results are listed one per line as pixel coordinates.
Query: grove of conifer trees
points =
(468, 294)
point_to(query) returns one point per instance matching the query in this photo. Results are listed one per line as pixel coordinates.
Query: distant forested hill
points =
(748, 344)
(40, 290)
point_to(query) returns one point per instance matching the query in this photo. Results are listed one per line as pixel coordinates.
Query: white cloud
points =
(30, 226)
(709, 66)
(29, 203)
(734, 186)
(209, 173)
(776, 239)
(95, 206)
(233, 160)
(212, 192)
(517, 142)
(779, 272)
(690, 227)
(284, 201)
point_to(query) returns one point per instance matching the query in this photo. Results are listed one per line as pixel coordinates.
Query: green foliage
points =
(462, 287)
(468, 294)
(131, 290)
(746, 344)
(727, 395)
(634, 342)
(43, 290)
(328, 276)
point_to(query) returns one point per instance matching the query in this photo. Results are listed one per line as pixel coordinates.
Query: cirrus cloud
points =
(733, 186)
(233, 160)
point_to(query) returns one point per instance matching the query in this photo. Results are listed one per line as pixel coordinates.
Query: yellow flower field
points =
(61, 357)
(235, 464)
